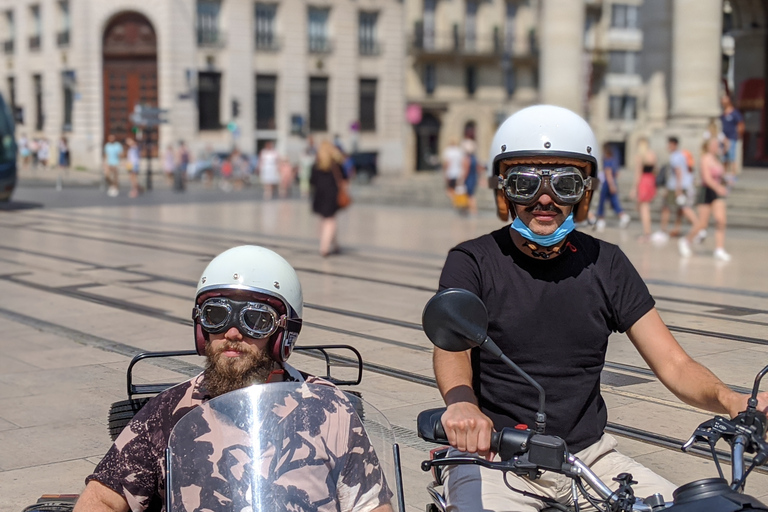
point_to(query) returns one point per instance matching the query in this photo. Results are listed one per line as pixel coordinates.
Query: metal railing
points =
(320, 45)
(456, 42)
(267, 42)
(368, 47)
(34, 42)
(62, 38)
(211, 38)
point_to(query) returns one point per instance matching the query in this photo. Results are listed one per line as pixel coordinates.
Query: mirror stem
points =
(541, 417)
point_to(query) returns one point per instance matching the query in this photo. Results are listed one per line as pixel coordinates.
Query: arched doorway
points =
(427, 139)
(130, 73)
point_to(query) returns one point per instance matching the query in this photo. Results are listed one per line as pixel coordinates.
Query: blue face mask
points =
(544, 241)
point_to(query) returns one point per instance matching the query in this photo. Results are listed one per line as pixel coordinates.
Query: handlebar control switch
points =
(547, 452)
(511, 442)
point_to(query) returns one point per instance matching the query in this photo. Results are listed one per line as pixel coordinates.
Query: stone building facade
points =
(400, 77)
(226, 71)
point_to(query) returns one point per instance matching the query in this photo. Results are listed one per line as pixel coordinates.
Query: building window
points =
(37, 81)
(623, 108)
(367, 105)
(36, 27)
(318, 30)
(318, 104)
(623, 63)
(10, 30)
(68, 86)
(12, 93)
(430, 79)
(470, 26)
(509, 27)
(265, 27)
(471, 80)
(510, 80)
(368, 41)
(428, 26)
(624, 16)
(208, 33)
(208, 100)
(266, 87)
(62, 36)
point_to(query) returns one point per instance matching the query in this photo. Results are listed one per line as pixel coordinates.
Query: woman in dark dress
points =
(325, 173)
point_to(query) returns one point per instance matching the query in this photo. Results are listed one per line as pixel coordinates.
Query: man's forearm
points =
(97, 497)
(453, 372)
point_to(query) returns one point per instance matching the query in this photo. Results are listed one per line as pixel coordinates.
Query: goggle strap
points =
(290, 324)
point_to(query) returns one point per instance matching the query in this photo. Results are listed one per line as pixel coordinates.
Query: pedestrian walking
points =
(681, 162)
(239, 168)
(269, 173)
(43, 152)
(470, 173)
(64, 159)
(133, 162)
(453, 167)
(306, 162)
(326, 181)
(24, 152)
(713, 195)
(113, 152)
(169, 164)
(733, 128)
(182, 162)
(678, 191)
(609, 190)
(644, 188)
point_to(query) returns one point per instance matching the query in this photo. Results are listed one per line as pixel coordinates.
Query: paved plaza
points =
(83, 289)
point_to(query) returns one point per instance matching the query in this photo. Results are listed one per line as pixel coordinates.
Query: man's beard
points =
(224, 374)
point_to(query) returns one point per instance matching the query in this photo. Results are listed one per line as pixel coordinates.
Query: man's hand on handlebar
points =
(468, 429)
(738, 403)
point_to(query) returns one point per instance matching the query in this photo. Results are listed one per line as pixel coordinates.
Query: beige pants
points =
(478, 489)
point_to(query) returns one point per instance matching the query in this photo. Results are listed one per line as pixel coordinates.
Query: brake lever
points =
(703, 433)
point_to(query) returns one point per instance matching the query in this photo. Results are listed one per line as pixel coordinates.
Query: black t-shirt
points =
(552, 318)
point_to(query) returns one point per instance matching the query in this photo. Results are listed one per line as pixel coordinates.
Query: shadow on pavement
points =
(11, 206)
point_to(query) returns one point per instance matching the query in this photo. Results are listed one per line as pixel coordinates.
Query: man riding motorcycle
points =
(247, 316)
(553, 295)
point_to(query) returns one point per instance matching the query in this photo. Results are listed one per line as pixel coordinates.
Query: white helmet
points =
(543, 131)
(250, 268)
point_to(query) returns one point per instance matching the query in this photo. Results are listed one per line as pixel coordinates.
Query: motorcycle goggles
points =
(256, 320)
(523, 184)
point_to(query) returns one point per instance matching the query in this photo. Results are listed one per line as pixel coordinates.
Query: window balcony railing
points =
(211, 38)
(8, 46)
(62, 38)
(267, 42)
(320, 45)
(370, 48)
(456, 42)
(34, 42)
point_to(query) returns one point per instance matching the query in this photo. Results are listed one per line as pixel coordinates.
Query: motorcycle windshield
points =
(281, 447)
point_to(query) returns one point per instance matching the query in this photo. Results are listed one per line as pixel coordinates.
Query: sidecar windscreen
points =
(281, 447)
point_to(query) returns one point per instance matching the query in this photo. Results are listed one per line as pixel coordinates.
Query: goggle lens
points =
(253, 319)
(214, 315)
(523, 183)
(259, 320)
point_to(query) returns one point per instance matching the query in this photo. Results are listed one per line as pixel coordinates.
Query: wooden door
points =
(130, 74)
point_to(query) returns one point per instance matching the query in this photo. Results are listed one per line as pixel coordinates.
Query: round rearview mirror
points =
(455, 320)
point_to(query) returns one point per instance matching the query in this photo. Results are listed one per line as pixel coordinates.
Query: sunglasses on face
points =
(523, 184)
(256, 320)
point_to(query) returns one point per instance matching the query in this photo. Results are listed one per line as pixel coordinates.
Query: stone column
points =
(696, 32)
(561, 62)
